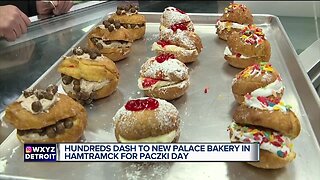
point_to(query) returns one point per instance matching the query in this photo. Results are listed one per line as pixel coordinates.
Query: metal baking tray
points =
(205, 116)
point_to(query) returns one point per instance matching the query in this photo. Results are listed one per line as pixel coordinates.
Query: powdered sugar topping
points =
(151, 68)
(172, 16)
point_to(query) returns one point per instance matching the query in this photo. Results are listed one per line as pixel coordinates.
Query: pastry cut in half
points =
(129, 18)
(147, 120)
(87, 75)
(45, 116)
(247, 47)
(164, 77)
(235, 17)
(258, 80)
(272, 124)
(111, 39)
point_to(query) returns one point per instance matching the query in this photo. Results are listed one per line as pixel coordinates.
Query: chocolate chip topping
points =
(118, 12)
(85, 50)
(88, 101)
(111, 20)
(51, 132)
(39, 94)
(137, 8)
(117, 25)
(60, 127)
(93, 55)
(78, 95)
(76, 82)
(48, 96)
(67, 80)
(132, 10)
(68, 123)
(53, 89)
(93, 95)
(127, 8)
(77, 51)
(106, 23)
(119, 7)
(27, 93)
(76, 88)
(110, 28)
(99, 46)
(36, 106)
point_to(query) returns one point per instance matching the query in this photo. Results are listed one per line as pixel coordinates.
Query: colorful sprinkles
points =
(256, 70)
(252, 35)
(233, 7)
(250, 135)
(268, 103)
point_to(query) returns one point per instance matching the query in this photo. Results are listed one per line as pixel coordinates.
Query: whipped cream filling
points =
(158, 84)
(115, 44)
(165, 138)
(87, 56)
(228, 25)
(272, 88)
(173, 48)
(253, 102)
(238, 134)
(227, 52)
(163, 84)
(26, 103)
(86, 86)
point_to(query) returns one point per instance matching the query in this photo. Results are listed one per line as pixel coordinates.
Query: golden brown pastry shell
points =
(137, 33)
(236, 45)
(286, 123)
(269, 160)
(239, 15)
(130, 19)
(143, 124)
(225, 33)
(89, 70)
(70, 135)
(115, 54)
(115, 35)
(242, 63)
(22, 119)
(167, 92)
(181, 56)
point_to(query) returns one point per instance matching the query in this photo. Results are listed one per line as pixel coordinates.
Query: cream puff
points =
(185, 45)
(147, 120)
(46, 116)
(234, 18)
(173, 17)
(129, 18)
(270, 123)
(111, 39)
(164, 77)
(258, 80)
(88, 75)
(247, 47)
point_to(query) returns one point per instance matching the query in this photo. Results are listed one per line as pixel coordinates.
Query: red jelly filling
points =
(142, 104)
(182, 26)
(163, 57)
(163, 43)
(180, 11)
(147, 82)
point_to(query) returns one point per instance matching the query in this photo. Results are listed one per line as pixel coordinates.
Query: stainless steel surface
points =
(205, 116)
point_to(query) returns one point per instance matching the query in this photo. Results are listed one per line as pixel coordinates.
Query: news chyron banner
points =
(121, 152)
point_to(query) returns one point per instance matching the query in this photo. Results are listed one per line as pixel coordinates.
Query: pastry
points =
(173, 17)
(272, 124)
(147, 120)
(111, 39)
(234, 18)
(129, 17)
(247, 47)
(88, 75)
(45, 116)
(184, 45)
(164, 77)
(258, 80)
